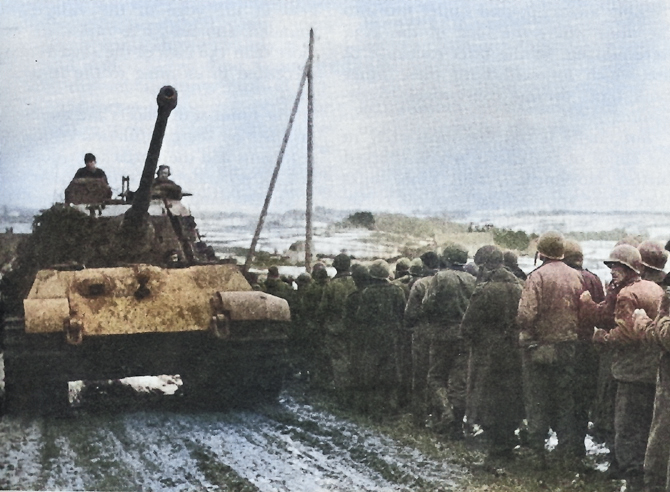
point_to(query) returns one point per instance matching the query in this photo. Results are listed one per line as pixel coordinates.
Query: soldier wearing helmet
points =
(379, 318)
(587, 358)
(421, 330)
(276, 286)
(548, 319)
(314, 346)
(657, 332)
(495, 396)
(300, 341)
(654, 258)
(402, 276)
(163, 186)
(444, 304)
(331, 312)
(403, 343)
(402, 267)
(634, 363)
(415, 272)
(511, 262)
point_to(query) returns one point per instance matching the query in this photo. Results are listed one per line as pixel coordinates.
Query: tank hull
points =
(246, 368)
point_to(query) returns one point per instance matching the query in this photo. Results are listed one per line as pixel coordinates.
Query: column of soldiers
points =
(554, 348)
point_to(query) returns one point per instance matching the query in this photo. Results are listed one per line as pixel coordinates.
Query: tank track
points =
(216, 374)
(33, 383)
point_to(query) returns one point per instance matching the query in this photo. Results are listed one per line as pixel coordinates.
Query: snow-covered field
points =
(281, 231)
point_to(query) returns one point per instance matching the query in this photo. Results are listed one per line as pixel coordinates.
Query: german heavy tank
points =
(110, 288)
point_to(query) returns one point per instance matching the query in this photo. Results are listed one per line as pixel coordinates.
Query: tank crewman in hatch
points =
(163, 186)
(634, 363)
(548, 319)
(90, 170)
(89, 184)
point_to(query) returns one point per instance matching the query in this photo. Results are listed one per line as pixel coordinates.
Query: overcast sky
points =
(419, 105)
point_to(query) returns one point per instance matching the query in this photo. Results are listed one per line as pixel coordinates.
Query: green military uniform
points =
(495, 391)
(332, 311)
(317, 360)
(378, 317)
(444, 306)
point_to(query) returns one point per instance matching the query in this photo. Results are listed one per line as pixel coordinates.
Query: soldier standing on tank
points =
(90, 170)
(586, 374)
(331, 311)
(548, 319)
(379, 317)
(495, 388)
(444, 305)
(634, 363)
(415, 321)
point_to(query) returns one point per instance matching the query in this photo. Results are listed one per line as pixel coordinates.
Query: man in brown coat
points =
(634, 363)
(548, 318)
(654, 258)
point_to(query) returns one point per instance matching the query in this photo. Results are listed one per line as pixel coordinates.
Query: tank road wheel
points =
(31, 373)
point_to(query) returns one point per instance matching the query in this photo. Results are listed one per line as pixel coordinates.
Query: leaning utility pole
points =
(280, 157)
(310, 153)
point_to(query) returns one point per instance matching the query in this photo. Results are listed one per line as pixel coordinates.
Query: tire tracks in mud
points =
(285, 447)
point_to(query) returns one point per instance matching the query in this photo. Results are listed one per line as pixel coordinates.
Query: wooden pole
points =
(280, 157)
(310, 153)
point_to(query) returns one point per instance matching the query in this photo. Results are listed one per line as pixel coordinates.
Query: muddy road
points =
(148, 446)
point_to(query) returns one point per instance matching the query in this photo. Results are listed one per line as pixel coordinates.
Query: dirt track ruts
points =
(290, 446)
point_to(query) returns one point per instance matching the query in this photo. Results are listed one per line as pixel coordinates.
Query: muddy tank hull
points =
(246, 368)
(203, 323)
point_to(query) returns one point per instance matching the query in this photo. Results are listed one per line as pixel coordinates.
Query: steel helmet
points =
(489, 255)
(380, 269)
(341, 262)
(416, 267)
(653, 255)
(403, 264)
(455, 254)
(573, 253)
(551, 245)
(626, 255)
(359, 272)
(510, 258)
(430, 259)
(303, 279)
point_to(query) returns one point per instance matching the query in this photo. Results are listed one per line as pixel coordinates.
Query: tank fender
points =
(251, 306)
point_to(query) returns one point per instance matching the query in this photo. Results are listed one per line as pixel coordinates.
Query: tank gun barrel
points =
(167, 101)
